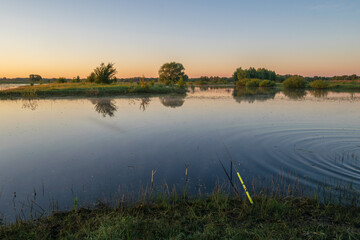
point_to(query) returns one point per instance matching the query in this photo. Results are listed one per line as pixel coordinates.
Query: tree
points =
(35, 78)
(91, 78)
(76, 80)
(103, 74)
(170, 73)
(251, 73)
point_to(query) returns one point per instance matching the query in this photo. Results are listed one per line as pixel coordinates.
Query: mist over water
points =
(53, 150)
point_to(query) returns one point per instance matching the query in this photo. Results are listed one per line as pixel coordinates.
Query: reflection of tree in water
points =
(30, 104)
(104, 106)
(144, 103)
(319, 93)
(251, 95)
(172, 101)
(295, 94)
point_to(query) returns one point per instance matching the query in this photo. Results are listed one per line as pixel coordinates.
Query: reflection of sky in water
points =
(91, 147)
(10, 86)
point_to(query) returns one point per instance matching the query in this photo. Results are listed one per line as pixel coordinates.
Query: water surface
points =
(53, 150)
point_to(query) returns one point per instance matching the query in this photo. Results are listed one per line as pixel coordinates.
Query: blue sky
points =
(69, 38)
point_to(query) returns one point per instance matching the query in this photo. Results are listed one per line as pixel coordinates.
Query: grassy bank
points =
(344, 85)
(87, 89)
(218, 216)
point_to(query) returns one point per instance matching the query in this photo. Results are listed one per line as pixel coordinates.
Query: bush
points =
(267, 83)
(91, 78)
(181, 83)
(253, 83)
(242, 82)
(76, 80)
(61, 80)
(143, 84)
(294, 82)
(319, 84)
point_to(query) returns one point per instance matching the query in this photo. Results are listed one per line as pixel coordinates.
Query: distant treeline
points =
(250, 73)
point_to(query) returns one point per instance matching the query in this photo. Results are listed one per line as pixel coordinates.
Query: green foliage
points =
(253, 83)
(252, 73)
(294, 82)
(267, 83)
(241, 82)
(204, 80)
(76, 80)
(143, 83)
(104, 73)
(217, 216)
(91, 78)
(90, 89)
(346, 77)
(170, 73)
(181, 83)
(61, 80)
(319, 84)
(35, 78)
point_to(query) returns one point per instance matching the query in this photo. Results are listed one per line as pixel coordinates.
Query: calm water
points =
(11, 85)
(94, 148)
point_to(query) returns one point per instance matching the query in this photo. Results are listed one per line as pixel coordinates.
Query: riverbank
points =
(87, 90)
(217, 217)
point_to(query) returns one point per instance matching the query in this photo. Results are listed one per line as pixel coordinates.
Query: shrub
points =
(91, 78)
(61, 80)
(267, 83)
(242, 82)
(76, 80)
(181, 83)
(294, 82)
(319, 84)
(253, 83)
(105, 73)
(143, 83)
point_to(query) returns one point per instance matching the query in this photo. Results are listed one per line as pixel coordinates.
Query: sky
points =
(66, 38)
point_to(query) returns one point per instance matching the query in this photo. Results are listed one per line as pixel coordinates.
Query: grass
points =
(344, 85)
(88, 89)
(217, 216)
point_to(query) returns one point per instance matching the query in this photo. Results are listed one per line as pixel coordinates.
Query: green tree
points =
(239, 74)
(76, 80)
(170, 73)
(35, 78)
(252, 73)
(103, 74)
(91, 78)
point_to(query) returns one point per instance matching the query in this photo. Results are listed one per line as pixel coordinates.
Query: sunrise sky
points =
(66, 38)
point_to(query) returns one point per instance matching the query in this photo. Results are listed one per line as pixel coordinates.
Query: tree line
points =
(172, 73)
